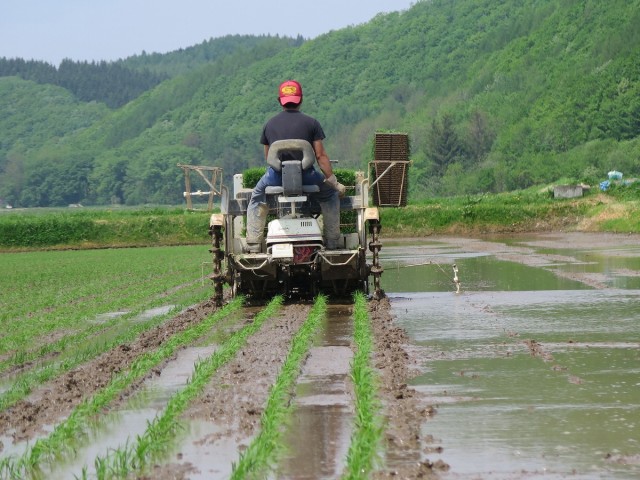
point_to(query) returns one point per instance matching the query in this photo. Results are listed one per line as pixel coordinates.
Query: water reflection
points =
(317, 436)
(534, 373)
(476, 273)
(124, 425)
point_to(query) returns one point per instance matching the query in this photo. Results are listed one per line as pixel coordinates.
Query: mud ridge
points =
(402, 409)
(236, 396)
(55, 400)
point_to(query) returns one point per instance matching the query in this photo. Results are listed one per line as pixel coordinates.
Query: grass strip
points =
(73, 430)
(367, 433)
(25, 383)
(160, 433)
(94, 227)
(263, 449)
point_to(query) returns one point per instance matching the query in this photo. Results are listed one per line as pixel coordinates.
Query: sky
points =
(94, 30)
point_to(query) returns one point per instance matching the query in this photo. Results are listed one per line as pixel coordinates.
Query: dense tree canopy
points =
(106, 82)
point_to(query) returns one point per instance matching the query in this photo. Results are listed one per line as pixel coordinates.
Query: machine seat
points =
(276, 190)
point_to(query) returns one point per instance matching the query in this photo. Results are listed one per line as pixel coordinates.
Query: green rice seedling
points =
(95, 332)
(122, 458)
(262, 451)
(101, 467)
(160, 434)
(365, 439)
(84, 474)
(25, 383)
(70, 432)
(46, 292)
(80, 309)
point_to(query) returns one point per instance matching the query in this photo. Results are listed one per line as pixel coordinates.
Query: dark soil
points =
(55, 400)
(403, 410)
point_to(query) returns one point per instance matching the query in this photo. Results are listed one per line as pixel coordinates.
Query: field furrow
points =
(115, 393)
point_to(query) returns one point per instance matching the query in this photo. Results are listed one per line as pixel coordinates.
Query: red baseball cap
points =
(290, 92)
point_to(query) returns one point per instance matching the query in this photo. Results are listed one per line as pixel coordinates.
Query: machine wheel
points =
(314, 290)
(218, 255)
(235, 285)
(363, 268)
(374, 246)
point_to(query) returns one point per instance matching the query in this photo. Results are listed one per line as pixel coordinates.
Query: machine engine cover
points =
(293, 230)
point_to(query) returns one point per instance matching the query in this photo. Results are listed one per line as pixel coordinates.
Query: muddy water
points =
(132, 420)
(534, 367)
(317, 436)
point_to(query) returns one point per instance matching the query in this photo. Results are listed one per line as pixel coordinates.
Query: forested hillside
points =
(109, 83)
(495, 97)
(182, 61)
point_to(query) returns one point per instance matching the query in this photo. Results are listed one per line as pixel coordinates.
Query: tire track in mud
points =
(317, 436)
(56, 400)
(64, 351)
(234, 400)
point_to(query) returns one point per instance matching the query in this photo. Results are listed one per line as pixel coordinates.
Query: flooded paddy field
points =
(533, 368)
(530, 370)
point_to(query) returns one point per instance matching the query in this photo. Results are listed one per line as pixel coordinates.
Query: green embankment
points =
(99, 228)
(616, 210)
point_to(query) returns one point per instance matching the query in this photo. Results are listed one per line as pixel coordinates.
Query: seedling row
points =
(92, 307)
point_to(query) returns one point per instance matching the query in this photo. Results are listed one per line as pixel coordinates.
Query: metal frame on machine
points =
(213, 180)
(386, 179)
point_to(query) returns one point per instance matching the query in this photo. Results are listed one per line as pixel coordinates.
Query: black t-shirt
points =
(291, 124)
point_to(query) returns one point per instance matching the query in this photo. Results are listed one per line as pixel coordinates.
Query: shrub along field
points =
(96, 228)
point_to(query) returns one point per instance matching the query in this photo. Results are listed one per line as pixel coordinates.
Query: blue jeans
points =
(327, 197)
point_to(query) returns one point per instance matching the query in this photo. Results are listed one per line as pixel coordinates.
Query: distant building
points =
(568, 191)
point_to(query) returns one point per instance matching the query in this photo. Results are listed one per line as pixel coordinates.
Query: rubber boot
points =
(331, 222)
(256, 221)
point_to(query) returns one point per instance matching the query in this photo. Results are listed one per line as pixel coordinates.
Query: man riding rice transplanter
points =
(290, 124)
